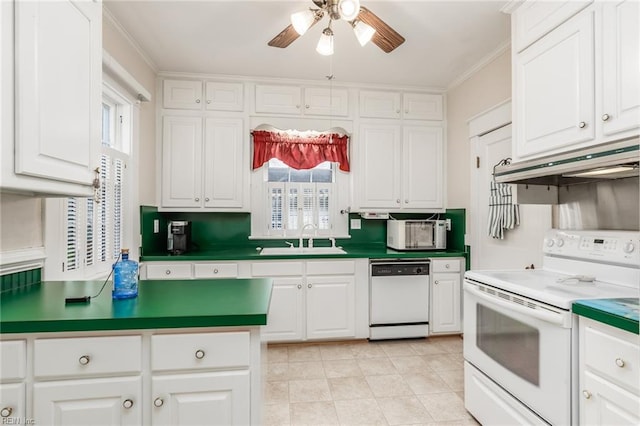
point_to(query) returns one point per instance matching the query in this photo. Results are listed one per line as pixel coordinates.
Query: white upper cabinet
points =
(57, 85)
(537, 18)
(414, 106)
(554, 90)
(188, 94)
(619, 110)
(322, 101)
(423, 167)
(578, 85)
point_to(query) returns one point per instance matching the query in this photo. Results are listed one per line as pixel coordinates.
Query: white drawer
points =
(173, 271)
(199, 351)
(276, 269)
(215, 270)
(13, 359)
(445, 265)
(87, 356)
(340, 267)
(613, 353)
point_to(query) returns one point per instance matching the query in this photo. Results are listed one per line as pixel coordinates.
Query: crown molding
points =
(480, 64)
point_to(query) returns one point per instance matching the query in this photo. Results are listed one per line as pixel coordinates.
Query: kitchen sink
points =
(296, 251)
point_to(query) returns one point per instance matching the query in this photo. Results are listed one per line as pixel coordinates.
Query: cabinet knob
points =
(620, 362)
(168, 272)
(127, 403)
(197, 199)
(158, 402)
(605, 117)
(199, 354)
(306, 106)
(197, 101)
(397, 111)
(84, 359)
(447, 266)
(436, 282)
(309, 285)
(299, 286)
(215, 271)
(398, 200)
(406, 201)
(582, 124)
(298, 106)
(6, 412)
(207, 199)
(208, 101)
(586, 394)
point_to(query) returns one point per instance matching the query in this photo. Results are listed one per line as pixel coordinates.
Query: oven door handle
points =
(554, 318)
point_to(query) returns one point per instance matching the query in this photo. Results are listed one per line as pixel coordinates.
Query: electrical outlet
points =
(448, 221)
(156, 226)
(356, 224)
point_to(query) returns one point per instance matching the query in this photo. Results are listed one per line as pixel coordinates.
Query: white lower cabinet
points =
(312, 300)
(446, 281)
(202, 398)
(609, 371)
(88, 402)
(190, 376)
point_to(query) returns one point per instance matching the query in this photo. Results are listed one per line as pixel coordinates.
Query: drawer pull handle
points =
(158, 402)
(84, 359)
(215, 271)
(447, 266)
(199, 354)
(582, 124)
(309, 285)
(605, 117)
(299, 286)
(127, 403)
(436, 282)
(197, 101)
(6, 411)
(587, 394)
(168, 272)
(620, 362)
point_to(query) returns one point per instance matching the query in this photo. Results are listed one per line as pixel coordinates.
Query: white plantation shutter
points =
(276, 201)
(90, 228)
(73, 249)
(116, 190)
(323, 194)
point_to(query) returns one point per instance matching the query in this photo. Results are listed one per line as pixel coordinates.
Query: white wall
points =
(20, 222)
(485, 88)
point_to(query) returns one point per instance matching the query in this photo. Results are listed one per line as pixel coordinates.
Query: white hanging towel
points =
(503, 214)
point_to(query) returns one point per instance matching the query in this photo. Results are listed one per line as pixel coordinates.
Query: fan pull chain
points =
(330, 77)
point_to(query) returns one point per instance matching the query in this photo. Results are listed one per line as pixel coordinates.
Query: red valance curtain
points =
(300, 151)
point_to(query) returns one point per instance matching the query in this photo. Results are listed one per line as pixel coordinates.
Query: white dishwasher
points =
(398, 298)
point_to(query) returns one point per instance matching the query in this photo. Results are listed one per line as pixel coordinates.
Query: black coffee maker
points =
(179, 236)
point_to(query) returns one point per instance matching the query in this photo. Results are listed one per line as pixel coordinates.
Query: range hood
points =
(607, 161)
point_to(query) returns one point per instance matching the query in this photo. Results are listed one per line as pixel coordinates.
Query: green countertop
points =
(160, 304)
(621, 313)
(252, 253)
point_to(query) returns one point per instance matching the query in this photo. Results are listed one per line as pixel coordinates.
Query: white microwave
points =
(417, 234)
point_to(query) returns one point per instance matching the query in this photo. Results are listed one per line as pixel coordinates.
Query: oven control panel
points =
(610, 246)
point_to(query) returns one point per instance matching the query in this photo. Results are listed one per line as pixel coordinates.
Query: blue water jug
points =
(125, 277)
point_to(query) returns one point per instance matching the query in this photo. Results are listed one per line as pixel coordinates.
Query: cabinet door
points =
(224, 96)
(12, 403)
(422, 106)
(286, 311)
(88, 402)
(423, 164)
(620, 68)
(379, 104)
(554, 90)
(445, 305)
(59, 88)
(379, 161)
(208, 398)
(330, 307)
(182, 94)
(323, 101)
(223, 154)
(603, 403)
(181, 161)
(278, 99)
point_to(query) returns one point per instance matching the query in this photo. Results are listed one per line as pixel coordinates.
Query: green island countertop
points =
(160, 304)
(621, 313)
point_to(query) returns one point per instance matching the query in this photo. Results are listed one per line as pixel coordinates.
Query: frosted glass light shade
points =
(302, 21)
(348, 9)
(363, 32)
(325, 44)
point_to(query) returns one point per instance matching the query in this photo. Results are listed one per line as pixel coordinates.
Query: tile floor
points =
(401, 382)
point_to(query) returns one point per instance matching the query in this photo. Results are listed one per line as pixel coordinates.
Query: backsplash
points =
(212, 230)
(18, 281)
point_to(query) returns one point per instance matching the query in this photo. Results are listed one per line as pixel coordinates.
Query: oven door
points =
(522, 345)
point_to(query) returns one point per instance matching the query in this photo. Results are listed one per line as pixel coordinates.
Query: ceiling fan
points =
(366, 26)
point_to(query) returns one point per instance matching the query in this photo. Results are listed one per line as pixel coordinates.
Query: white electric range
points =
(520, 337)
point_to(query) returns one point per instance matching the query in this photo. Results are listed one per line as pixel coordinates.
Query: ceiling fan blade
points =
(385, 37)
(289, 34)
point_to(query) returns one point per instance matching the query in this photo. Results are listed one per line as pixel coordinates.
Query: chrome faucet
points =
(307, 226)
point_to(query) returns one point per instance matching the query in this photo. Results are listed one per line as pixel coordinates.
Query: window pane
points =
(299, 175)
(106, 124)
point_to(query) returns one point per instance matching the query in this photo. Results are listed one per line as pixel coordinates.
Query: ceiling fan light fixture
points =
(325, 44)
(303, 20)
(364, 32)
(348, 9)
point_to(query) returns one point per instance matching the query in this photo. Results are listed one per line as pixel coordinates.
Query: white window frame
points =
(127, 106)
